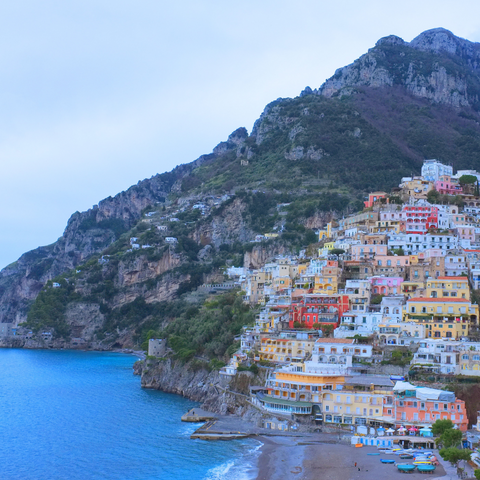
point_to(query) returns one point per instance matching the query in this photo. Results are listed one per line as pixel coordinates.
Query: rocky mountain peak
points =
(435, 65)
(443, 40)
(391, 40)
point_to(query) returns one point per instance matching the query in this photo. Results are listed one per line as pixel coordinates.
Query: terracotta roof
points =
(439, 299)
(335, 340)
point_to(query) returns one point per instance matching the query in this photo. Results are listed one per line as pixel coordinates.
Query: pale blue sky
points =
(98, 94)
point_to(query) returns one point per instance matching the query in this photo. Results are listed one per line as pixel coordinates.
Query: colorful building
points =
(424, 406)
(446, 186)
(386, 285)
(315, 310)
(419, 219)
(448, 287)
(375, 197)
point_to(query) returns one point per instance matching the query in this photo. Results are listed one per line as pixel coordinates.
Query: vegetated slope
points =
(369, 125)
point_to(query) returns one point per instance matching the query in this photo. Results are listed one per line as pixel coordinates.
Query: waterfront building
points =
(363, 400)
(424, 406)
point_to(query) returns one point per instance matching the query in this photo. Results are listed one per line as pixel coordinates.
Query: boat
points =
(406, 467)
(426, 468)
(422, 462)
(406, 456)
(387, 460)
(373, 454)
(358, 445)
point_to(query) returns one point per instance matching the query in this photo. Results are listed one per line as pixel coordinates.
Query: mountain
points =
(371, 123)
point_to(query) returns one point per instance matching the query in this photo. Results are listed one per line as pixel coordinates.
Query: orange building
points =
(420, 406)
(374, 198)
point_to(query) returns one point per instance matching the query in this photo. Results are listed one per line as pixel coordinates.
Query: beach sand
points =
(286, 458)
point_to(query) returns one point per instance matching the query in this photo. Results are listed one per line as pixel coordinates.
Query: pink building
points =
(466, 232)
(362, 252)
(386, 285)
(420, 219)
(392, 260)
(445, 186)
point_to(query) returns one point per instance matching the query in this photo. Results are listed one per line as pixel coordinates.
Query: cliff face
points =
(436, 65)
(306, 160)
(217, 393)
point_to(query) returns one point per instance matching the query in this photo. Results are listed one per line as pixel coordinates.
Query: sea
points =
(67, 415)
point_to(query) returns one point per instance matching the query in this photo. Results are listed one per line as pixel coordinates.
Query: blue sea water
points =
(82, 415)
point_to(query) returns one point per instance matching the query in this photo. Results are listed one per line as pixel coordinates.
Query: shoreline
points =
(311, 458)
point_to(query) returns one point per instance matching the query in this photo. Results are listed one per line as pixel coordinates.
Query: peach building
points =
(424, 406)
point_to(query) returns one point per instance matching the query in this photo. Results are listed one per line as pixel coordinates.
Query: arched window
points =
(332, 360)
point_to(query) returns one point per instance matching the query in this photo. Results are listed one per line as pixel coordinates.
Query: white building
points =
(438, 355)
(432, 170)
(414, 243)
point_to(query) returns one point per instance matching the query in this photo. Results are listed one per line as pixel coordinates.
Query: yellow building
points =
(361, 401)
(470, 362)
(387, 226)
(280, 283)
(453, 287)
(417, 187)
(285, 349)
(323, 234)
(298, 385)
(443, 317)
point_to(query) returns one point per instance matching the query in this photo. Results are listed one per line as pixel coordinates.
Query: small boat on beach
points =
(387, 460)
(373, 454)
(406, 456)
(426, 468)
(422, 462)
(406, 467)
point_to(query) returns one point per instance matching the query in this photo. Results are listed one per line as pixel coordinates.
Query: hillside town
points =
(391, 287)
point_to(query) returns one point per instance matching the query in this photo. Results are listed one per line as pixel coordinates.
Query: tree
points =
(467, 179)
(433, 196)
(454, 455)
(336, 251)
(451, 438)
(440, 426)
(399, 251)
(477, 473)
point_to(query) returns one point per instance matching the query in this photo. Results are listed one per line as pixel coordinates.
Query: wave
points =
(243, 467)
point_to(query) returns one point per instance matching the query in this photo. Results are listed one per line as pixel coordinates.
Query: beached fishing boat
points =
(422, 462)
(373, 454)
(426, 468)
(405, 467)
(406, 456)
(387, 460)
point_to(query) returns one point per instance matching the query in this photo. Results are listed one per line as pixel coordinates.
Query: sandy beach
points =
(313, 459)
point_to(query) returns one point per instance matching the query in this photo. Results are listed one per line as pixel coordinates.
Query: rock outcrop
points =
(436, 65)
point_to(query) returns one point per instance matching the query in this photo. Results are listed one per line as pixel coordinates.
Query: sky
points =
(96, 95)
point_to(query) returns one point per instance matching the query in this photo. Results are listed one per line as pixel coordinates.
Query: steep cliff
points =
(307, 160)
